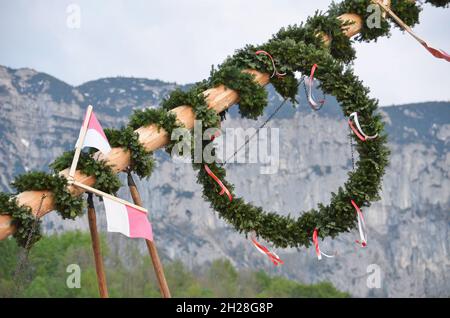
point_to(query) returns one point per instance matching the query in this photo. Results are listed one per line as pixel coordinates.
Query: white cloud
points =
(179, 40)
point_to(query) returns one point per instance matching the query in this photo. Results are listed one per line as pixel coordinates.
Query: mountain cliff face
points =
(40, 117)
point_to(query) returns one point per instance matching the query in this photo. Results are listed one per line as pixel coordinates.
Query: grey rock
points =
(40, 117)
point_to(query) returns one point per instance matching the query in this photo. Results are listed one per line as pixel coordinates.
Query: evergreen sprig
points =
(66, 205)
(252, 96)
(439, 3)
(157, 116)
(105, 178)
(22, 219)
(141, 160)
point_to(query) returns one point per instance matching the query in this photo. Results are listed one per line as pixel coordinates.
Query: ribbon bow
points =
(361, 225)
(276, 260)
(223, 187)
(316, 244)
(314, 105)
(358, 130)
(275, 71)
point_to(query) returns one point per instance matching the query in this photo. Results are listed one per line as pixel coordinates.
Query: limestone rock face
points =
(408, 229)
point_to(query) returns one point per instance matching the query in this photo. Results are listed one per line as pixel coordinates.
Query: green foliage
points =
(131, 275)
(282, 287)
(407, 11)
(294, 49)
(105, 178)
(22, 219)
(156, 116)
(68, 206)
(252, 96)
(141, 160)
(360, 7)
(196, 99)
(363, 184)
(340, 46)
(438, 3)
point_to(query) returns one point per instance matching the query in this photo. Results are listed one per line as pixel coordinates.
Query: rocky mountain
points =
(40, 117)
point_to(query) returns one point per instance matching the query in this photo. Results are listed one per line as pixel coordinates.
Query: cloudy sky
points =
(179, 40)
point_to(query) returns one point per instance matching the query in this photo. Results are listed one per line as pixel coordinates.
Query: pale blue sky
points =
(179, 40)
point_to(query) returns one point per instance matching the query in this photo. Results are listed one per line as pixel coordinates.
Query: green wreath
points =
(362, 186)
(292, 54)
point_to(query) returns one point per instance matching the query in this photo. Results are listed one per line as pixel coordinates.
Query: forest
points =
(44, 274)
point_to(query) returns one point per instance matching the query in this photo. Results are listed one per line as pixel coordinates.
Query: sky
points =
(179, 40)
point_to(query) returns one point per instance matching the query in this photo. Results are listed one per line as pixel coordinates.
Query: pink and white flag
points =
(95, 136)
(127, 220)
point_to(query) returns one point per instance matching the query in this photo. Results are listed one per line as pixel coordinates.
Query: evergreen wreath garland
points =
(339, 216)
(335, 79)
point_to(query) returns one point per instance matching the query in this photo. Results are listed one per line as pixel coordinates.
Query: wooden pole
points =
(80, 142)
(151, 137)
(157, 265)
(400, 22)
(99, 268)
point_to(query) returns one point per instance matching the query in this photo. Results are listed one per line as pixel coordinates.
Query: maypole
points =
(239, 80)
(152, 137)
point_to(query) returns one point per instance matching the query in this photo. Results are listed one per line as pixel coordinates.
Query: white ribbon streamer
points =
(358, 126)
(316, 245)
(314, 105)
(361, 225)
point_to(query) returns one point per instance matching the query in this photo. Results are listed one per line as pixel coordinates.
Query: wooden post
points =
(80, 142)
(159, 271)
(99, 268)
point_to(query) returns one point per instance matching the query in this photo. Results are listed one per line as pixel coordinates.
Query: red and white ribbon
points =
(316, 244)
(358, 130)
(222, 186)
(361, 225)
(276, 260)
(314, 105)
(275, 71)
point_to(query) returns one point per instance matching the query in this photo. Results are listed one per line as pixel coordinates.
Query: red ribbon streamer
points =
(275, 72)
(224, 188)
(440, 54)
(361, 137)
(316, 244)
(361, 225)
(314, 105)
(276, 260)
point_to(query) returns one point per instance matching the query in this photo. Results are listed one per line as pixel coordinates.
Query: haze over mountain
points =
(408, 229)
